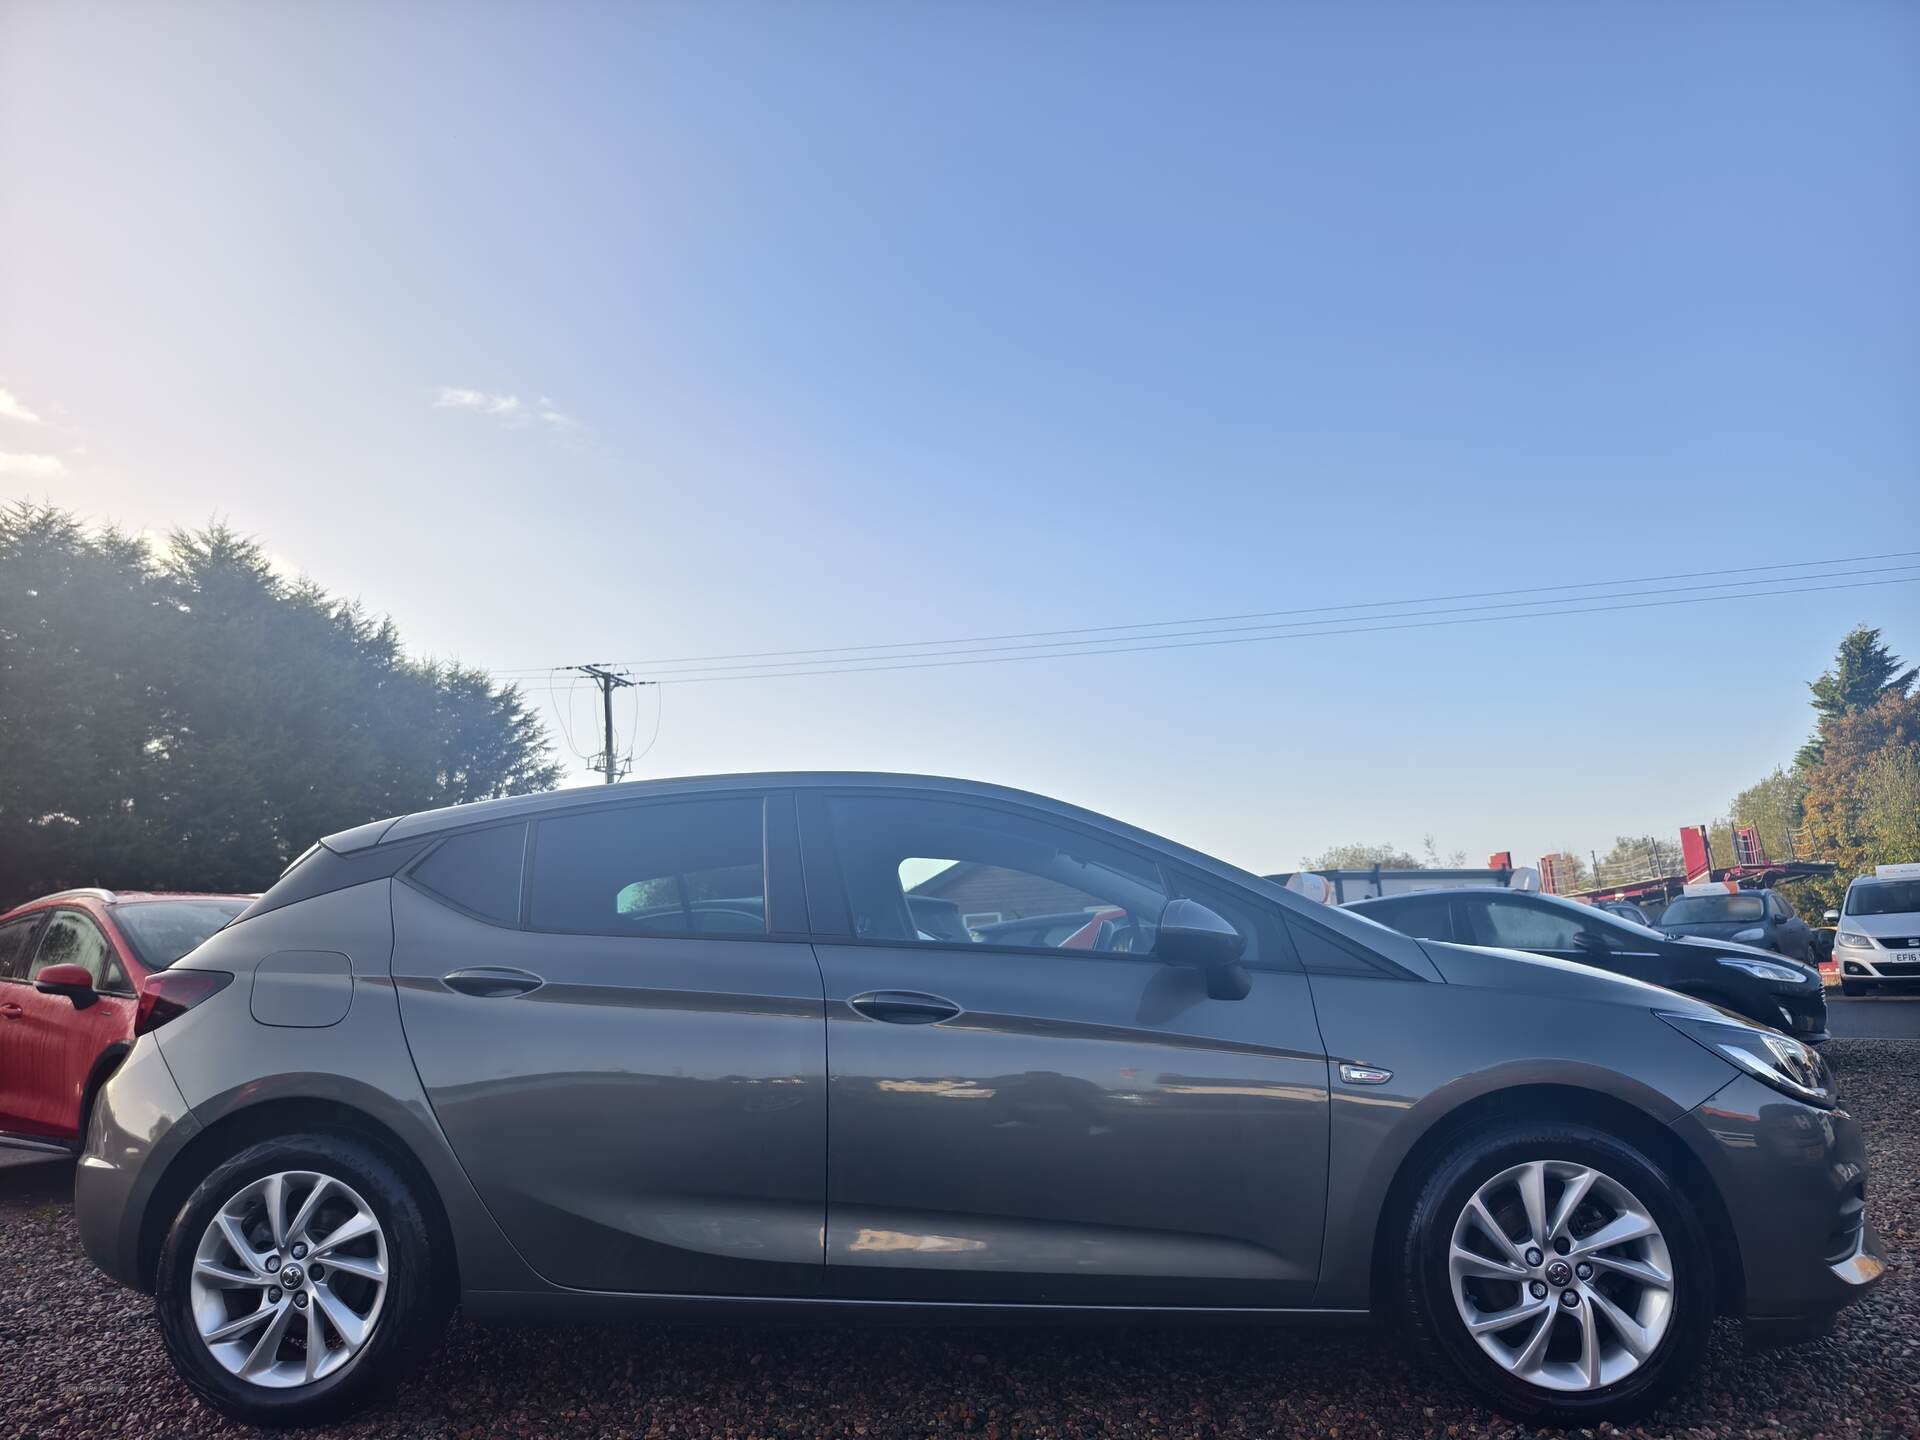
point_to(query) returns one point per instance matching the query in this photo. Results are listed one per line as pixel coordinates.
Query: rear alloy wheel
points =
(1562, 1272)
(289, 1279)
(297, 1281)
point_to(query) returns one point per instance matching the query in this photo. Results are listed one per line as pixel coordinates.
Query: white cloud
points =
(510, 409)
(13, 463)
(11, 408)
(453, 397)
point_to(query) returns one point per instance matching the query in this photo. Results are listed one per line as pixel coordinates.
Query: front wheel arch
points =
(1541, 1103)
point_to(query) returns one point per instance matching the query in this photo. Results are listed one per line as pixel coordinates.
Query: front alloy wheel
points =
(1561, 1275)
(289, 1278)
(1560, 1270)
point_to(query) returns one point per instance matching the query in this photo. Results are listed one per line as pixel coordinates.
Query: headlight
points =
(1852, 940)
(1751, 936)
(1764, 969)
(1778, 1060)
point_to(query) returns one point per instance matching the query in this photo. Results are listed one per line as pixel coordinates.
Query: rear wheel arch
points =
(1549, 1103)
(272, 1118)
(104, 1065)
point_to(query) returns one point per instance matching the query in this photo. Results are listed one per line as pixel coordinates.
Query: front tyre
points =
(1561, 1272)
(298, 1281)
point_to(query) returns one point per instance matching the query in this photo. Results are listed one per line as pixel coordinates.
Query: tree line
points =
(178, 715)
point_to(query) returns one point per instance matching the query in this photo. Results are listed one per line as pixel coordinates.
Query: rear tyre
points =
(1561, 1272)
(297, 1283)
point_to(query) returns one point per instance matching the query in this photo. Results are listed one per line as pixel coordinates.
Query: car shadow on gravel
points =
(80, 1357)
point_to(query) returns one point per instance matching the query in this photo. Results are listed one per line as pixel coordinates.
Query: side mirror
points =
(1588, 943)
(1193, 936)
(1832, 917)
(72, 981)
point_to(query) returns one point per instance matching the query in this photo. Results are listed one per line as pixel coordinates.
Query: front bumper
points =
(1794, 1180)
(1877, 967)
(140, 1123)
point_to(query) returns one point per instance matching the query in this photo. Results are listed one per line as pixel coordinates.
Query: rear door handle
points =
(11, 1011)
(904, 1007)
(491, 982)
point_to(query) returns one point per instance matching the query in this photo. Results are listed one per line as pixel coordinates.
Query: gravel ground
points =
(79, 1357)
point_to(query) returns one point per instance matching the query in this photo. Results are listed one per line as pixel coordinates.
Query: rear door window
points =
(684, 867)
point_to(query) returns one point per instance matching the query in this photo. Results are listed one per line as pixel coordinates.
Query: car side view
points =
(71, 967)
(1758, 984)
(531, 1056)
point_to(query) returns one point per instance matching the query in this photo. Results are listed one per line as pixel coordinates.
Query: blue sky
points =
(860, 323)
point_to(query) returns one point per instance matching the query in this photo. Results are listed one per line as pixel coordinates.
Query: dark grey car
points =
(683, 1048)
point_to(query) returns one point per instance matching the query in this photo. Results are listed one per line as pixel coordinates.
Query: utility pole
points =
(608, 681)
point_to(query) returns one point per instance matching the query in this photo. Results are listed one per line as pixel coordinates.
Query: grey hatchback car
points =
(683, 1048)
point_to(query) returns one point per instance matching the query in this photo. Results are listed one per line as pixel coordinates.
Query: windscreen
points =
(1884, 897)
(1713, 909)
(161, 931)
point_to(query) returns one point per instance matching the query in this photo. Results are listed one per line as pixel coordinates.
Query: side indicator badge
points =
(1364, 1074)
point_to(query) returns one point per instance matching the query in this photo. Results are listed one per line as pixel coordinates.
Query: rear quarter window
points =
(478, 872)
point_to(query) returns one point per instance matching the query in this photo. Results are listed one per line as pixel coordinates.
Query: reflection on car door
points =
(631, 1066)
(1080, 1126)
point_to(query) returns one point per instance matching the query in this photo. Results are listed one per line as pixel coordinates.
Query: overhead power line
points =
(880, 664)
(1550, 594)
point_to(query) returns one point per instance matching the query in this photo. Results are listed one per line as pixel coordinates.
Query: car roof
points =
(97, 895)
(459, 817)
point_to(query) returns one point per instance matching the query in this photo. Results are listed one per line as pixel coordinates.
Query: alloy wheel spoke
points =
(304, 1216)
(1618, 1231)
(1589, 1347)
(1645, 1271)
(1471, 1263)
(274, 1196)
(361, 1223)
(1529, 1358)
(316, 1343)
(224, 1277)
(240, 1245)
(351, 1329)
(361, 1265)
(1496, 1320)
(1488, 1226)
(1533, 1196)
(1639, 1342)
(268, 1346)
(233, 1329)
(1570, 1197)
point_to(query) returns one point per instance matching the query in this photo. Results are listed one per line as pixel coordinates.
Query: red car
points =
(71, 968)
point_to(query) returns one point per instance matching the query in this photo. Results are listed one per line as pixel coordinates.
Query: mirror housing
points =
(1832, 917)
(72, 981)
(1589, 943)
(1196, 938)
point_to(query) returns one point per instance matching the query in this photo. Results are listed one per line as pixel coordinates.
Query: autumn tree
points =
(1862, 802)
(1863, 671)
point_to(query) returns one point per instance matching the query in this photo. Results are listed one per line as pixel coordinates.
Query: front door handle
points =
(11, 1010)
(492, 982)
(904, 1007)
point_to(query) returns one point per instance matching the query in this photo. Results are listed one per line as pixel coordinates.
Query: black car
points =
(1769, 988)
(1762, 918)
